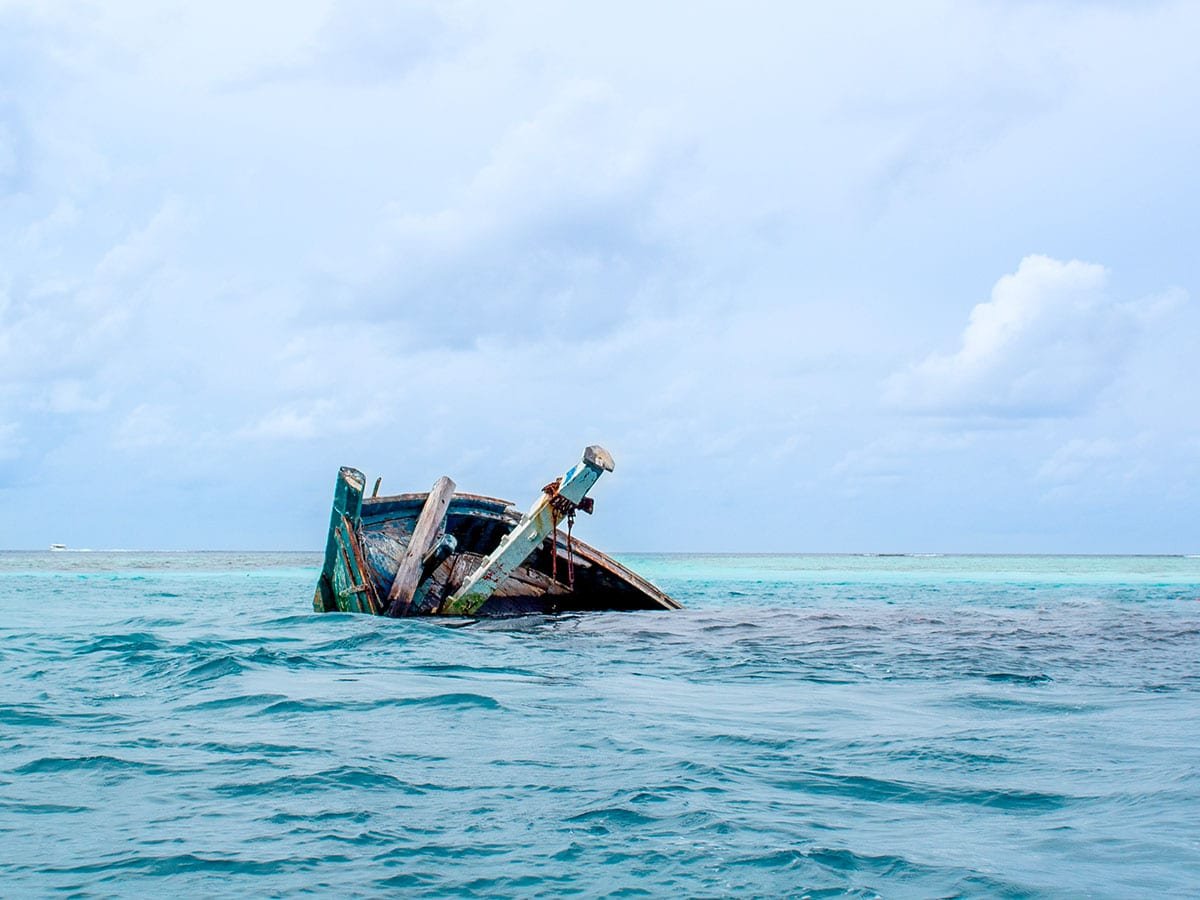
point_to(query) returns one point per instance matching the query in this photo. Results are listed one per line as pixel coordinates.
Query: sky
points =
(856, 277)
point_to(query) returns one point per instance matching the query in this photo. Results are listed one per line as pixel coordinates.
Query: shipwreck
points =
(454, 554)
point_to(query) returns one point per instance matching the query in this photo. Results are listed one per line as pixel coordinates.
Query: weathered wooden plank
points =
(431, 591)
(425, 535)
(606, 563)
(533, 528)
(406, 508)
(364, 585)
(523, 581)
(347, 505)
(371, 505)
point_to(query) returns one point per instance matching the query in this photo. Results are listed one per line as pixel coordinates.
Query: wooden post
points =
(424, 537)
(339, 585)
(519, 543)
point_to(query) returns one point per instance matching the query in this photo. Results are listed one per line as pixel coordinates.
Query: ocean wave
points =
(96, 763)
(883, 790)
(337, 778)
(443, 701)
(801, 728)
(188, 863)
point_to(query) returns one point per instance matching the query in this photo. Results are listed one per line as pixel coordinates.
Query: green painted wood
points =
(359, 592)
(340, 574)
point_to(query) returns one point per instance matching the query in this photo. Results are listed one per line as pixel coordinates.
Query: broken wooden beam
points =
(342, 585)
(425, 536)
(535, 525)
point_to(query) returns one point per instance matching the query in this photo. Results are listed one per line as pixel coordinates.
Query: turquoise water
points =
(809, 725)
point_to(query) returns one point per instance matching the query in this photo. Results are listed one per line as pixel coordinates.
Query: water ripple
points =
(817, 726)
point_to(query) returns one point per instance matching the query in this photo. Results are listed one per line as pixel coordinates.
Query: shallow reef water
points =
(807, 726)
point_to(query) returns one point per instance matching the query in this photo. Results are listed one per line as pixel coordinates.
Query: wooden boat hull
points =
(369, 538)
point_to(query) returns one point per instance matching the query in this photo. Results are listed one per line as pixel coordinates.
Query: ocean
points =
(809, 726)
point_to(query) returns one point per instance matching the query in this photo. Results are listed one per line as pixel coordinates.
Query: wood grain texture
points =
(426, 534)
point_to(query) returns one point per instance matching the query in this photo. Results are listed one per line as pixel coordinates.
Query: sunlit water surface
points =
(809, 725)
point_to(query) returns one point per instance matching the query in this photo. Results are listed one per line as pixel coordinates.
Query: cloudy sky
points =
(878, 277)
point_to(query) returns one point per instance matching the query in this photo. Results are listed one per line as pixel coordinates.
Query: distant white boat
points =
(57, 547)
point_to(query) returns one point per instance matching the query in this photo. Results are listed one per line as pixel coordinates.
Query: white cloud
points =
(472, 240)
(322, 418)
(56, 323)
(146, 426)
(8, 153)
(42, 232)
(1049, 339)
(1095, 459)
(560, 219)
(892, 457)
(75, 396)
(285, 424)
(10, 439)
(365, 41)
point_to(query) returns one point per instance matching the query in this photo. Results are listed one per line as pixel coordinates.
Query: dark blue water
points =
(816, 726)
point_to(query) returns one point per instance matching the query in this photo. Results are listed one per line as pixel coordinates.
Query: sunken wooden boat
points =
(455, 554)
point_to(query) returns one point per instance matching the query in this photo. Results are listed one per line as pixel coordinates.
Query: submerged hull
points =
(369, 541)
